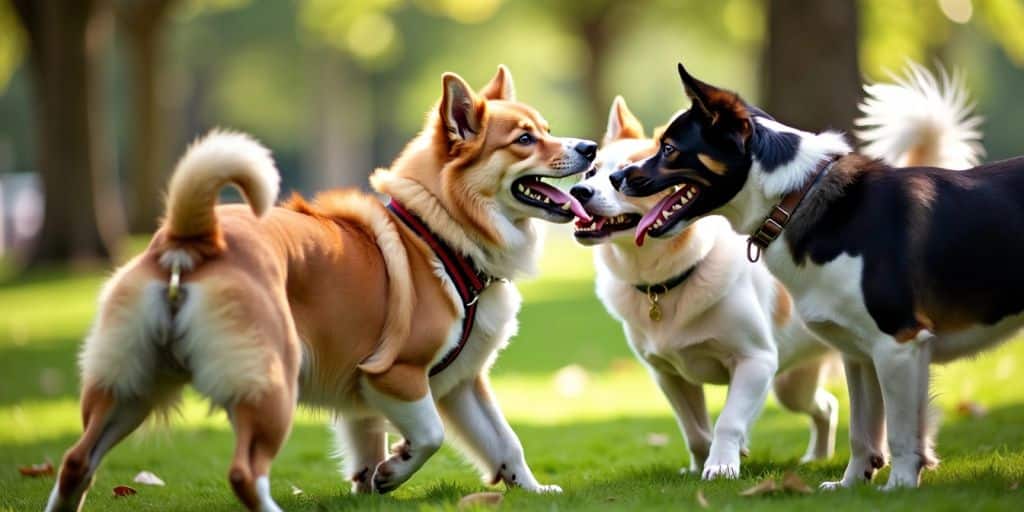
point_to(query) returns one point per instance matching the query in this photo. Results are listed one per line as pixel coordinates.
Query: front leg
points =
(488, 439)
(363, 443)
(421, 427)
(748, 388)
(687, 400)
(867, 424)
(903, 375)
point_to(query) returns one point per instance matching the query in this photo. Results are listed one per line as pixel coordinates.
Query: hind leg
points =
(107, 419)
(261, 427)
(799, 390)
(363, 443)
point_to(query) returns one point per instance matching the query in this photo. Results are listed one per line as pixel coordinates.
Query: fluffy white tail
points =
(214, 161)
(920, 120)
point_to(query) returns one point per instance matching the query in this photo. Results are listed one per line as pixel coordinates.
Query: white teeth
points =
(567, 206)
(665, 214)
(683, 200)
(678, 206)
(657, 224)
(689, 194)
(522, 188)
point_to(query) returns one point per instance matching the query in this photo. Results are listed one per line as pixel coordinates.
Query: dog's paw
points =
(546, 489)
(832, 486)
(724, 471)
(388, 476)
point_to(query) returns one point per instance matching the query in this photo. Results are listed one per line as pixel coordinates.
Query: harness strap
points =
(469, 282)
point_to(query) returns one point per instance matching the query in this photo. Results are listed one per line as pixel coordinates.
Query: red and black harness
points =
(469, 281)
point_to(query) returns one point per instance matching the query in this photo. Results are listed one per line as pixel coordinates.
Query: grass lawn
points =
(596, 444)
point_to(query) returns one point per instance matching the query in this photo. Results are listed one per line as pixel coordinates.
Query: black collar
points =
(469, 282)
(664, 286)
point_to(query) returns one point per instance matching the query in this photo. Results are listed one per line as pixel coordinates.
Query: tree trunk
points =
(142, 23)
(66, 40)
(811, 72)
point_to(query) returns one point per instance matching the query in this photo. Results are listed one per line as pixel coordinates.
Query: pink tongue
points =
(652, 216)
(559, 198)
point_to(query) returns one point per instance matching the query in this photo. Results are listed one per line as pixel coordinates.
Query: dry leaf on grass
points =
(792, 482)
(124, 490)
(480, 499)
(701, 500)
(37, 470)
(764, 487)
(657, 439)
(971, 409)
(296, 491)
(148, 478)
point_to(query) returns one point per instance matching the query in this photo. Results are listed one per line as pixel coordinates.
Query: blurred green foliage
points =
(277, 68)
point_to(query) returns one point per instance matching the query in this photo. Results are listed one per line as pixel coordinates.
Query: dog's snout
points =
(582, 192)
(618, 177)
(587, 148)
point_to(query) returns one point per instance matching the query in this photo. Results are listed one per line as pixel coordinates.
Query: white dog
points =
(696, 312)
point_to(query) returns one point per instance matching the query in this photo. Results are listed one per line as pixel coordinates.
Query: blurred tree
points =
(810, 67)
(65, 42)
(143, 22)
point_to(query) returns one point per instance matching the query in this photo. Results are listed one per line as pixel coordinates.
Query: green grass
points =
(594, 445)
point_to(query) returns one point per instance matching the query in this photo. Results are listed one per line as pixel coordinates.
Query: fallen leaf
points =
(764, 487)
(480, 499)
(571, 381)
(657, 439)
(701, 500)
(37, 470)
(147, 478)
(792, 482)
(971, 409)
(124, 490)
(296, 491)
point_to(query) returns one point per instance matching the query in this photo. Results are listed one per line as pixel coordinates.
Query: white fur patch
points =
(228, 361)
(814, 147)
(922, 117)
(120, 352)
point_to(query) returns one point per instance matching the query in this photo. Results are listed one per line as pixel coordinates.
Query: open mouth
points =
(666, 213)
(531, 191)
(600, 227)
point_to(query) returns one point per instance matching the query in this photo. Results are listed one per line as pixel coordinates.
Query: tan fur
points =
(783, 310)
(713, 165)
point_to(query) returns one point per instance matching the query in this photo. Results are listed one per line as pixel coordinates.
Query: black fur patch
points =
(961, 256)
(773, 149)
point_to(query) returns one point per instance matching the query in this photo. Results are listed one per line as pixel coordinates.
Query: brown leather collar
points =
(783, 211)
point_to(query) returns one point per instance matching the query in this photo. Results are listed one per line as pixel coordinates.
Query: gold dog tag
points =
(655, 312)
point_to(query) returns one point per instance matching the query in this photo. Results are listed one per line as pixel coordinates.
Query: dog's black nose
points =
(587, 148)
(618, 177)
(582, 192)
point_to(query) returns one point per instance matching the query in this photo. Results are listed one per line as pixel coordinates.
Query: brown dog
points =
(341, 303)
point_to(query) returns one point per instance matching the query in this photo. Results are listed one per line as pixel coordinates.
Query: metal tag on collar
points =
(654, 297)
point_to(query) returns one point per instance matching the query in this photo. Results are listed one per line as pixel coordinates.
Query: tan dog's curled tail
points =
(216, 160)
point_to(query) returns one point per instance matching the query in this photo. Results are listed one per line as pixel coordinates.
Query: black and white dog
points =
(897, 267)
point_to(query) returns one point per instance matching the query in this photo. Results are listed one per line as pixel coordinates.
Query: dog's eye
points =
(667, 149)
(526, 139)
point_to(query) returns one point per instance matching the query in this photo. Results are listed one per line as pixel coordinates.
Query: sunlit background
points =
(99, 97)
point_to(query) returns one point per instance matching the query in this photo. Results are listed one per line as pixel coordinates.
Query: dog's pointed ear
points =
(721, 109)
(622, 124)
(501, 86)
(462, 112)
